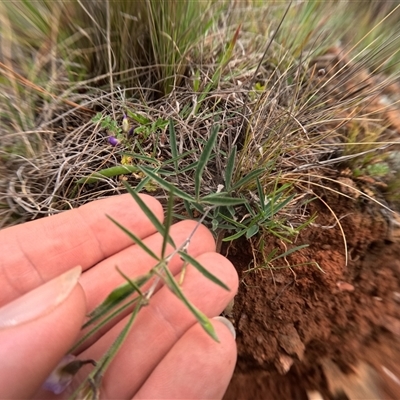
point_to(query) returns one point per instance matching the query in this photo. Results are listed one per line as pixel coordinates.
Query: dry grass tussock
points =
(290, 114)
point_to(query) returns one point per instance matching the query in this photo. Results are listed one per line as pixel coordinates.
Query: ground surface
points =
(305, 334)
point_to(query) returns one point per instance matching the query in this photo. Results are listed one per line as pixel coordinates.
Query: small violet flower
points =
(131, 132)
(113, 141)
(63, 374)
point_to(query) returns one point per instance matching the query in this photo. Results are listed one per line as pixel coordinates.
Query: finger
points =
(197, 367)
(134, 261)
(100, 281)
(36, 331)
(161, 324)
(36, 252)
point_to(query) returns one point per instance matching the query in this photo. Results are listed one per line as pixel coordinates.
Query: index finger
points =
(37, 251)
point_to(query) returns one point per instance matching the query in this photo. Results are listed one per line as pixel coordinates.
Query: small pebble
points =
(396, 297)
(345, 287)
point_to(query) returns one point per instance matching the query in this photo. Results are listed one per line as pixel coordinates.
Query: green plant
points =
(107, 123)
(260, 215)
(380, 169)
(270, 259)
(150, 127)
(136, 294)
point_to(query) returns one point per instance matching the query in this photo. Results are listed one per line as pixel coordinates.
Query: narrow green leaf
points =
(290, 251)
(204, 158)
(188, 208)
(149, 214)
(274, 206)
(232, 221)
(188, 258)
(108, 356)
(250, 210)
(251, 231)
(261, 194)
(271, 255)
(189, 167)
(226, 227)
(283, 188)
(249, 177)
(168, 222)
(173, 144)
(142, 184)
(104, 321)
(116, 297)
(229, 169)
(140, 119)
(108, 173)
(135, 238)
(221, 199)
(235, 236)
(201, 318)
(131, 282)
(164, 184)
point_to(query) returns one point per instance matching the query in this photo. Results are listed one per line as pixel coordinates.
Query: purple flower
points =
(62, 375)
(131, 132)
(58, 380)
(113, 141)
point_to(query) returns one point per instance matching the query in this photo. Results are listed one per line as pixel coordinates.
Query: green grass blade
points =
(188, 209)
(164, 184)
(237, 224)
(149, 214)
(248, 178)
(288, 252)
(140, 119)
(201, 318)
(136, 239)
(229, 169)
(235, 236)
(168, 222)
(204, 158)
(135, 286)
(261, 194)
(173, 145)
(275, 206)
(116, 297)
(189, 167)
(188, 258)
(142, 184)
(108, 173)
(97, 327)
(221, 199)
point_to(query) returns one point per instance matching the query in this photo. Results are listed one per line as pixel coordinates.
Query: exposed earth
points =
(307, 334)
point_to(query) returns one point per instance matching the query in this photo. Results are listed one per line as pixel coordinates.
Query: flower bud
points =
(125, 124)
(62, 375)
(113, 141)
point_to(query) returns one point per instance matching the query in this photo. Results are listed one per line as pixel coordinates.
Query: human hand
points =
(166, 355)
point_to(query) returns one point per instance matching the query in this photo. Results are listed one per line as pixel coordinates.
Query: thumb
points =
(36, 330)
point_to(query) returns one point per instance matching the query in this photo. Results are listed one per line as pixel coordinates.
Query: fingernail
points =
(39, 301)
(228, 324)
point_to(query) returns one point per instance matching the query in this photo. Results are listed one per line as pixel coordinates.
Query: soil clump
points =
(307, 334)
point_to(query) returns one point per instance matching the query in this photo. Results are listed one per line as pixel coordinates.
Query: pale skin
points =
(167, 354)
